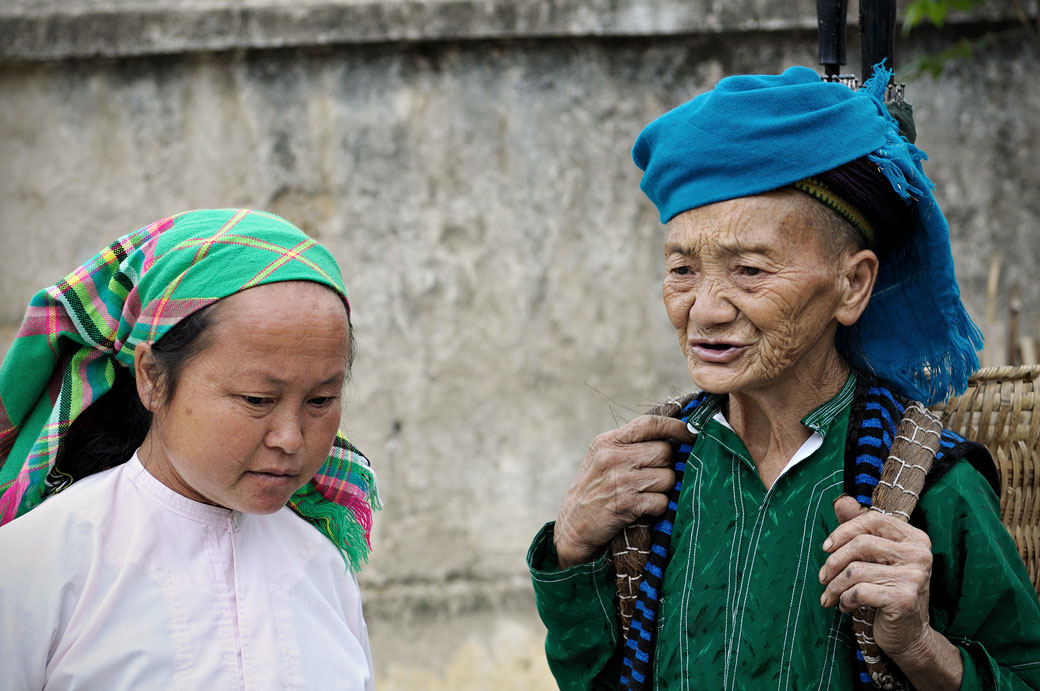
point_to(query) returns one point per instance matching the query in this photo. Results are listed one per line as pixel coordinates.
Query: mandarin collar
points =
(819, 420)
(179, 504)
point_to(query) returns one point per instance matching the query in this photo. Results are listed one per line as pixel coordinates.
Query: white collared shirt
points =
(119, 582)
(808, 447)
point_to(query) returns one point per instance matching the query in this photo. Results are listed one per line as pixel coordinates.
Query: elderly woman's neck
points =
(769, 420)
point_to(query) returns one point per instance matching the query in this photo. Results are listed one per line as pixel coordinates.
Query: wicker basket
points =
(999, 409)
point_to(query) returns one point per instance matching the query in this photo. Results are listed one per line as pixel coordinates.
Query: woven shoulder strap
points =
(895, 450)
(872, 426)
(910, 458)
(640, 553)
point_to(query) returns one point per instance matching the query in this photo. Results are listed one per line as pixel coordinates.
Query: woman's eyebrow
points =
(275, 380)
(728, 247)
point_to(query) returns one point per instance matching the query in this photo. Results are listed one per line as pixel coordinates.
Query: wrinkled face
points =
(255, 413)
(751, 291)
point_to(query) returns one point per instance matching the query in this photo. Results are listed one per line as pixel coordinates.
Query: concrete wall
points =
(468, 163)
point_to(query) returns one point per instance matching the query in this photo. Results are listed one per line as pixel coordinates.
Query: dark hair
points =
(113, 427)
(861, 183)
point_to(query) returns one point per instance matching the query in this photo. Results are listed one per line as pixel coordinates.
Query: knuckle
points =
(592, 456)
(624, 494)
(606, 457)
(626, 512)
(631, 509)
(902, 604)
(875, 549)
(654, 504)
(650, 482)
(662, 451)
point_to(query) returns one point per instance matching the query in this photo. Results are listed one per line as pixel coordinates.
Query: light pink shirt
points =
(119, 582)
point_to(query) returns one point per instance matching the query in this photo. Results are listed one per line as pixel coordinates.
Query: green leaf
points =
(935, 11)
(913, 16)
(934, 65)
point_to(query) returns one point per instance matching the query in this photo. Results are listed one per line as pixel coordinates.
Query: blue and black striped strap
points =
(637, 650)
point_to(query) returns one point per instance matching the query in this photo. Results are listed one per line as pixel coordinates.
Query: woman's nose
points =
(285, 432)
(710, 306)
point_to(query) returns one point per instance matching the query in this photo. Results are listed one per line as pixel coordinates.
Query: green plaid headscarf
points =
(76, 333)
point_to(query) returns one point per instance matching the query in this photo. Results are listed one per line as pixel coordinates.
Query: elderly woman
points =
(178, 508)
(808, 277)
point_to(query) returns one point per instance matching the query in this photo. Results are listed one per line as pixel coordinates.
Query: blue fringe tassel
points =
(915, 334)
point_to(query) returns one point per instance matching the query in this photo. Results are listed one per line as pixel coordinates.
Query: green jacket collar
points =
(819, 420)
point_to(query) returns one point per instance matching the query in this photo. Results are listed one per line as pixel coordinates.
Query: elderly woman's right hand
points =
(626, 474)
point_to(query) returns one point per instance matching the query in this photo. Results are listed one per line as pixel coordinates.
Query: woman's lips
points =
(716, 352)
(274, 478)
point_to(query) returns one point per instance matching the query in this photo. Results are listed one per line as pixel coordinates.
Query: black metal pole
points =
(877, 23)
(830, 17)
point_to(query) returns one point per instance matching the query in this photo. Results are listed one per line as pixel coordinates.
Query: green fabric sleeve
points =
(982, 672)
(578, 607)
(981, 595)
(971, 681)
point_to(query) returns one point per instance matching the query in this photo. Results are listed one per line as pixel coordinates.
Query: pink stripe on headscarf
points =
(12, 497)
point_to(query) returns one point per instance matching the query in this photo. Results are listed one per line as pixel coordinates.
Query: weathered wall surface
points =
(478, 192)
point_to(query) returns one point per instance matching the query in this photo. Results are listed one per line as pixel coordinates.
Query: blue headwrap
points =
(756, 133)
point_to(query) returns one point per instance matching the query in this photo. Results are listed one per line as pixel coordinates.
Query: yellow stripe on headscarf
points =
(823, 194)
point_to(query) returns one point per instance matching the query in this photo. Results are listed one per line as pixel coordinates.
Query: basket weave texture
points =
(1001, 409)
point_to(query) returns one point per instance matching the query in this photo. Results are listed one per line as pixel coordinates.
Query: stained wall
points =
(468, 163)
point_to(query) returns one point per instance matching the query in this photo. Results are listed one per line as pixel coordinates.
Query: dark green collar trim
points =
(700, 415)
(821, 418)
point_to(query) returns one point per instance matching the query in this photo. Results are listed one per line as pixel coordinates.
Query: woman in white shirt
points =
(188, 514)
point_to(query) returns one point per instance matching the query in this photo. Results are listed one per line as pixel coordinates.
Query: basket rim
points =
(1005, 373)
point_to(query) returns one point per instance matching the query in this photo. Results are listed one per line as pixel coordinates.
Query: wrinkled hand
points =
(879, 561)
(626, 474)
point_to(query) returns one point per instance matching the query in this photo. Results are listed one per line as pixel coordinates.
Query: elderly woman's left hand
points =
(881, 562)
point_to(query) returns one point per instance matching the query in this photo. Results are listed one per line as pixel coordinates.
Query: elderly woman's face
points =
(752, 291)
(255, 413)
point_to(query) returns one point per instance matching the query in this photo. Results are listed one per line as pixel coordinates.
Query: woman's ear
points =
(858, 274)
(147, 376)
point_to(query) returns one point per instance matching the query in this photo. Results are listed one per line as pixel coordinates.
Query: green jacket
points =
(740, 605)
